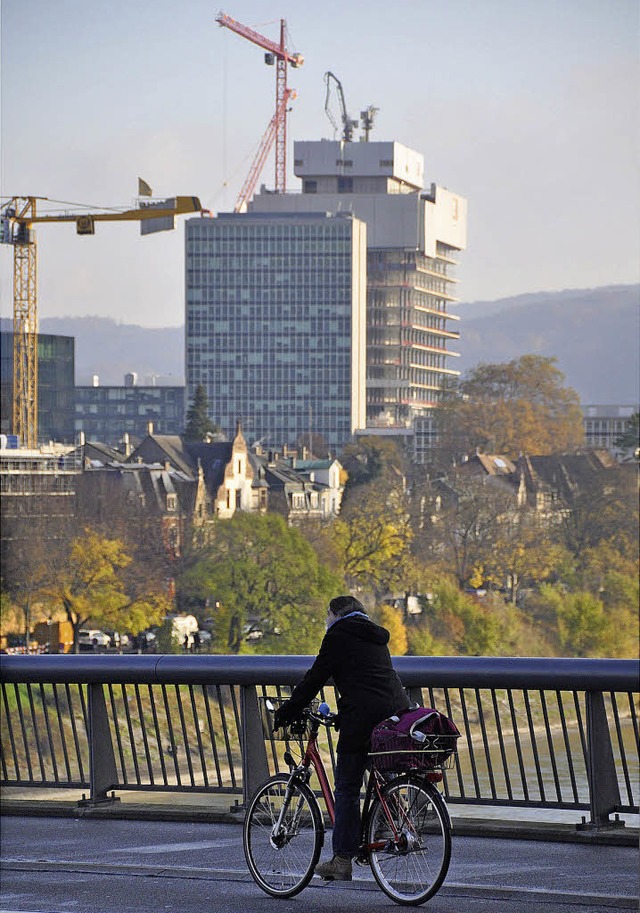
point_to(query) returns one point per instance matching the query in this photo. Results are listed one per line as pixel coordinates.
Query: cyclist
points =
(354, 653)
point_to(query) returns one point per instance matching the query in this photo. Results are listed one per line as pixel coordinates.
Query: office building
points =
(56, 379)
(414, 237)
(107, 413)
(603, 425)
(275, 323)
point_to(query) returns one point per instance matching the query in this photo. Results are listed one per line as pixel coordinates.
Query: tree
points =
(260, 572)
(629, 439)
(521, 406)
(600, 525)
(457, 622)
(391, 619)
(26, 571)
(461, 531)
(370, 458)
(199, 425)
(524, 549)
(373, 535)
(88, 584)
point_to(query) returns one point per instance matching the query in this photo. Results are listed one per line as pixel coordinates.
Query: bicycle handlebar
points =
(324, 715)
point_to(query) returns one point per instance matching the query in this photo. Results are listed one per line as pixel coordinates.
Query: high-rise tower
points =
(275, 323)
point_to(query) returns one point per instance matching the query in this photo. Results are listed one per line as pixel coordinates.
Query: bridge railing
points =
(537, 733)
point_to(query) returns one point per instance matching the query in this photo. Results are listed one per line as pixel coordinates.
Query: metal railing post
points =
(255, 767)
(102, 763)
(604, 792)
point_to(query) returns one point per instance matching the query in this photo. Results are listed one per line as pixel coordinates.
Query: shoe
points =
(337, 869)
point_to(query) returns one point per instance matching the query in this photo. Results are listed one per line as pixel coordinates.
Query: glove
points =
(282, 716)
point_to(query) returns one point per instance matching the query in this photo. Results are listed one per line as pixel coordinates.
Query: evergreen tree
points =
(199, 425)
(629, 439)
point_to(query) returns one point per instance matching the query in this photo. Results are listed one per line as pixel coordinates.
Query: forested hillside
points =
(593, 334)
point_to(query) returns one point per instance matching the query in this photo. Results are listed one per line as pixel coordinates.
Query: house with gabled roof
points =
(300, 489)
(546, 480)
(223, 466)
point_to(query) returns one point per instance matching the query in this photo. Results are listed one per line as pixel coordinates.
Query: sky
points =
(531, 110)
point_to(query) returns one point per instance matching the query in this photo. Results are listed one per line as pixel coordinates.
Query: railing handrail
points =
(550, 673)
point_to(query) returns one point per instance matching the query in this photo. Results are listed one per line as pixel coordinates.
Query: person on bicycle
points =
(355, 654)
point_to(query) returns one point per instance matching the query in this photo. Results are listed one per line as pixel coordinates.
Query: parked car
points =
(91, 639)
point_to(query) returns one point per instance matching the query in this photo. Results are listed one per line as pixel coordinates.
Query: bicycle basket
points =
(435, 753)
(296, 731)
(417, 738)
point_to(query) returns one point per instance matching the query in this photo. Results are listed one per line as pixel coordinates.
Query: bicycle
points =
(406, 828)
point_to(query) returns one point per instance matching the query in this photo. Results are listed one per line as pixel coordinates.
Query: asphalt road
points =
(62, 865)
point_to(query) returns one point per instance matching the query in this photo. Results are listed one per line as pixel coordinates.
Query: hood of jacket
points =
(361, 628)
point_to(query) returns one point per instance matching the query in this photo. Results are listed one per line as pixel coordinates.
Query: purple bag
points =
(420, 738)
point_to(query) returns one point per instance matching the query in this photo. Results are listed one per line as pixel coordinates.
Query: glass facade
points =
(56, 391)
(104, 414)
(275, 309)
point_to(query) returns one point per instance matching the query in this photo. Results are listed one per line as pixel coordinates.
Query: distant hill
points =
(110, 349)
(593, 333)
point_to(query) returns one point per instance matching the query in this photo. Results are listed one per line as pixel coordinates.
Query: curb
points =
(464, 827)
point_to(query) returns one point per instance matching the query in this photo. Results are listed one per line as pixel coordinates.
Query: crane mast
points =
(277, 129)
(17, 218)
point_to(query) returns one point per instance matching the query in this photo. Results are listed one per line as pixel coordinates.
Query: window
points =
(172, 502)
(345, 185)
(309, 186)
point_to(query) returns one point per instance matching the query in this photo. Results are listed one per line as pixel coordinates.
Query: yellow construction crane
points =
(18, 216)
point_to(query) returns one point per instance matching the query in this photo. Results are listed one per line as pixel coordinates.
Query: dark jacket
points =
(355, 655)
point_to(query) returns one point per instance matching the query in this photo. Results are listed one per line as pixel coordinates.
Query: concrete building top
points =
(335, 157)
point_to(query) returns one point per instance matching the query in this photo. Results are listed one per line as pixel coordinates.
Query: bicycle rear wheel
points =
(411, 868)
(282, 859)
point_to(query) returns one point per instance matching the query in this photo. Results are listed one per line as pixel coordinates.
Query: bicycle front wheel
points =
(409, 836)
(283, 836)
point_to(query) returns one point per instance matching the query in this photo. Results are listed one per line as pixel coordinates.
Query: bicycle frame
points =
(405, 827)
(375, 784)
(312, 759)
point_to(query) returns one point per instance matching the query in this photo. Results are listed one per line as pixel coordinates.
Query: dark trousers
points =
(350, 768)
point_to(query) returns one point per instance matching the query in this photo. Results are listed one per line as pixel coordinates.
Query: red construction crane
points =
(277, 129)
